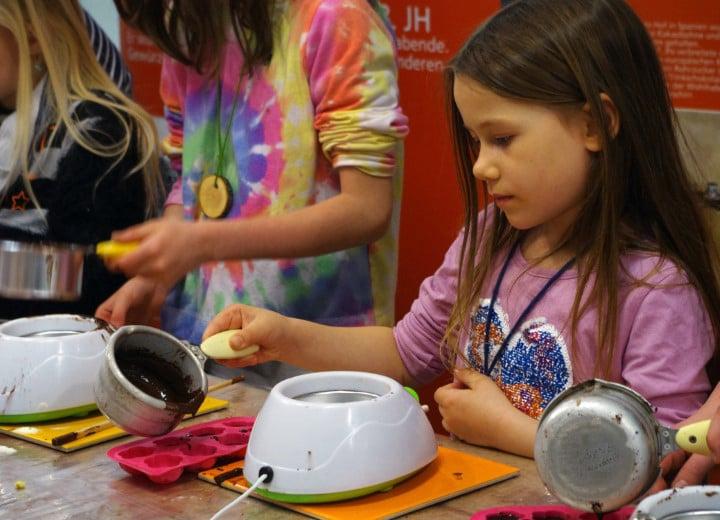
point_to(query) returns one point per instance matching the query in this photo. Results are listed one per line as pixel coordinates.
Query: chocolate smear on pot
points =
(160, 379)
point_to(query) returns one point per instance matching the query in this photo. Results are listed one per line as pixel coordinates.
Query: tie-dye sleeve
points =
(172, 92)
(350, 59)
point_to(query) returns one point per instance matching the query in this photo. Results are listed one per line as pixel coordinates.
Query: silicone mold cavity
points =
(195, 448)
(547, 512)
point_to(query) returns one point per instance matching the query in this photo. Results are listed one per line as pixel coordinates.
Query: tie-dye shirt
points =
(664, 334)
(327, 100)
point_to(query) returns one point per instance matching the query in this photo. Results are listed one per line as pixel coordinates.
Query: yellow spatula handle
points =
(112, 249)
(693, 437)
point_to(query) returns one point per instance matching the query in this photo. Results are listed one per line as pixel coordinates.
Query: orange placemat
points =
(453, 473)
(43, 432)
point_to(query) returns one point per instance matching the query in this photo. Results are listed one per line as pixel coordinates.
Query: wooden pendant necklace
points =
(215, 195)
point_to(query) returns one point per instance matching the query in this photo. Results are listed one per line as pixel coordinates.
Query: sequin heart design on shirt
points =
(535, 366)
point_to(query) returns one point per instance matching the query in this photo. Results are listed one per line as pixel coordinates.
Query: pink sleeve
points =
(420, 331)
(670, 343)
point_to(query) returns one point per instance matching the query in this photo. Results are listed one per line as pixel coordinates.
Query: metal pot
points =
(48, 271)
(598, 446)
(149, 380)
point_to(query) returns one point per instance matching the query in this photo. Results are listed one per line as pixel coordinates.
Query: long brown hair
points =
(194, 32)
(566, 53)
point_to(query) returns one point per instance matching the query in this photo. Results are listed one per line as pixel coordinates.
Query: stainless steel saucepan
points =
(149, 380)
(49, 271)
(598, 446)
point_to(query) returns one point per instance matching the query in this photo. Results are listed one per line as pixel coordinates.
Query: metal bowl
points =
(40, 271)
(131, 407)
(598, 446)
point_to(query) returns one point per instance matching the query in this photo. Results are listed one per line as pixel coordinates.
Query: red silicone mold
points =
(196, 448)
(547, 512)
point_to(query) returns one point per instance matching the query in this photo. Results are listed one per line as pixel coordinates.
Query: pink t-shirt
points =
(664, 336)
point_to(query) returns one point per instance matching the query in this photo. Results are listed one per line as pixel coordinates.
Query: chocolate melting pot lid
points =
(597, 447)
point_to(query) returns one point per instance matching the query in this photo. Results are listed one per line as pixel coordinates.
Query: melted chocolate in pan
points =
(160, 379)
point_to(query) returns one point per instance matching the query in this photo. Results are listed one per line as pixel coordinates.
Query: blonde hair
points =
(73, 75)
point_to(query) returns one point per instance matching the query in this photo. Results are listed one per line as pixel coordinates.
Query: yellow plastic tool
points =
(218, 346)
(693, 437)
(113, 249)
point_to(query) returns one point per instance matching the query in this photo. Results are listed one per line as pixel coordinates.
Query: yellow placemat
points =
(43, 432)
(451, 474)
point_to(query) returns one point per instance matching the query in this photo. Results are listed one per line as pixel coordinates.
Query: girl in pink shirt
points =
(593, 260)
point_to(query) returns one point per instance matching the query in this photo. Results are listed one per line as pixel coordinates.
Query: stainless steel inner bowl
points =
(41, 271)
(337, 396)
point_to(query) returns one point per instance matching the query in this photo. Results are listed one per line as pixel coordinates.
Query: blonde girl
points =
(78, 158)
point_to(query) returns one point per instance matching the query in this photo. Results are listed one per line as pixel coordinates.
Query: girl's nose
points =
(484, 169)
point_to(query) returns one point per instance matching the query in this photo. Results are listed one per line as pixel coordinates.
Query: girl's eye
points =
(503, 140)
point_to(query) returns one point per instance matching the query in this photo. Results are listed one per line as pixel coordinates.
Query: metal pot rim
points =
(99, 324)
(12, 246)
(592, 384)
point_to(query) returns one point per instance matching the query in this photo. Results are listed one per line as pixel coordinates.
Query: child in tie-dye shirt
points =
(314, 166)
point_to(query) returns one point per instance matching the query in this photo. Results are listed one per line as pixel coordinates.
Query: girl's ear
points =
(593, 136)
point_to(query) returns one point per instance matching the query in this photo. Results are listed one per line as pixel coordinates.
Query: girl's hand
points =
(138, 301)
(169, 249)
(679, 469)
(267, 329)
(477, 411)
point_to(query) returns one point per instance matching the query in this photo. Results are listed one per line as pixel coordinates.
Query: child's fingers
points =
(229, 318)
(113, 310)
(466, 377)
(693, 471)
(143, 260)
(247, 361)
(713, 437)
(136, 232)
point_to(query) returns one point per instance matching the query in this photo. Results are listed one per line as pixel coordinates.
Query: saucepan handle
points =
(693, 437)
(202, 358)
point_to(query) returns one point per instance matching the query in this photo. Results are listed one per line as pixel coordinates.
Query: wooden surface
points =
(88, 485)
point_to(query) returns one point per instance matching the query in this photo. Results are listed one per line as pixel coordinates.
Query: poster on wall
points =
(687, 37)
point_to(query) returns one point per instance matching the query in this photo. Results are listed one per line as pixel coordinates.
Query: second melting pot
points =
(598, 446)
